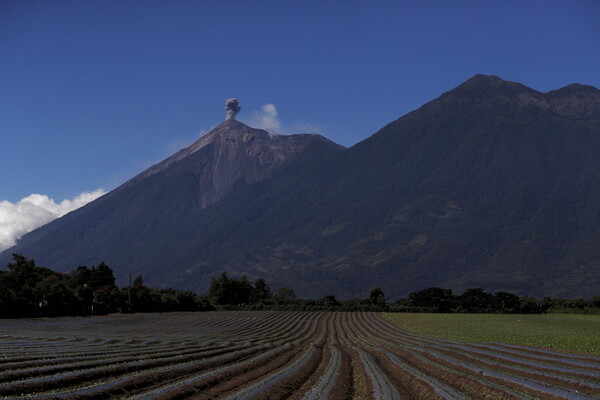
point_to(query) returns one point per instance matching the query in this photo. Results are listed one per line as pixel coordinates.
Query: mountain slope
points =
(491, 185)
(132, 221)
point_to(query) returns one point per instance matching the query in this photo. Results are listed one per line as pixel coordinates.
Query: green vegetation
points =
(478, 301)
(226, 291)
(240, 294)
(580, 333)
(27, 290)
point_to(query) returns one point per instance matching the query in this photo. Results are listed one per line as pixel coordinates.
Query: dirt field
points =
(273, 355)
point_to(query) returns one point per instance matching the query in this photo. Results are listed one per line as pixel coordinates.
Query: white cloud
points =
(266, 118)
(35, 210)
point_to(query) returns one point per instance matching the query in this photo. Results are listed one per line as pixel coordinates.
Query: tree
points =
(27, 290)
(225, 290)
(240, 290)
(328, 302)
(54, 297)
(138, 281)
(145, 299)
(377, 297)
(596, 301)
(85, 298)
(22, 270)
(8, 295)
(101, 277)
(476, 300)
(284, 293)
(435, 299)
(25, 275)
(529, 305)
(219, 289)
(81, 275)
(506, 302)
(260, 291)
(186, 301)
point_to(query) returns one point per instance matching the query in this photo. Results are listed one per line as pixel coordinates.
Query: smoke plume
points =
(266, 118)
(35, 210)
(233, 107)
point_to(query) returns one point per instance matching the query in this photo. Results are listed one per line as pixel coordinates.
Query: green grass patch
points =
(569, 332)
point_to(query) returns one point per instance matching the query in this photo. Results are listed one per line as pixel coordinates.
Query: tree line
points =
(27, 290)
(477, 300)
(241, 294)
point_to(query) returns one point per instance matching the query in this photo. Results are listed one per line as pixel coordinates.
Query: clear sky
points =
(93, 92)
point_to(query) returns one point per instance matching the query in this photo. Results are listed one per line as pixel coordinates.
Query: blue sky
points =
(93, 92)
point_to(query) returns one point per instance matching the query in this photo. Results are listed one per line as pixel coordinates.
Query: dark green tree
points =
(187, 301)
(260, 291)
(138, 281)
(85, 299)
(8, 295)
(506, 302)
(219, 291)
(328, 302)
(476, 300)
(54, 297)
(284, 293)
(25, 275)
(225, 290)
(81, 275)
(144, 299)
(376, 297)
(529, 305)
(434, 299)
(101, 276)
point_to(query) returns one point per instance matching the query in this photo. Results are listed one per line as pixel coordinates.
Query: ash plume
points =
(233, 107)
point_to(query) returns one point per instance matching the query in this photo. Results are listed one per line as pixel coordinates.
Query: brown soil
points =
(293, 384)
(315, 376)
(408, 385)
(550, 380)
(363, 387)
(135, 384)
(344, 383)
(230, 381)
(514, 386)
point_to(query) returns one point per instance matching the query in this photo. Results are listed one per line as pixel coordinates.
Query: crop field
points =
(569, 332)
(273, 355)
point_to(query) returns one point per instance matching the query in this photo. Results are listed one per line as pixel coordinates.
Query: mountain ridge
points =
(572, 100)
(162, 196)
(253, 152)
(491, 185)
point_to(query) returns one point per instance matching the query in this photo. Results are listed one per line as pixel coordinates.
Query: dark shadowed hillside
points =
(491, 185)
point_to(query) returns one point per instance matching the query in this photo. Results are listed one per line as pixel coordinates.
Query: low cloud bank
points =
(35, 210)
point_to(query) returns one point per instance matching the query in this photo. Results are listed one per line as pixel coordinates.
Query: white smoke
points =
(35, 210)
(266, 118)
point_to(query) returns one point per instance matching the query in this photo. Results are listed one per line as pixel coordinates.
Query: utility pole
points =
(129, 293)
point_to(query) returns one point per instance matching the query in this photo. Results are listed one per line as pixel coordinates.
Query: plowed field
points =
(273, 355)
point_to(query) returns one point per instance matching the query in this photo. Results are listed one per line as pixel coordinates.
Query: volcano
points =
(155, 211)
(492, 185)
